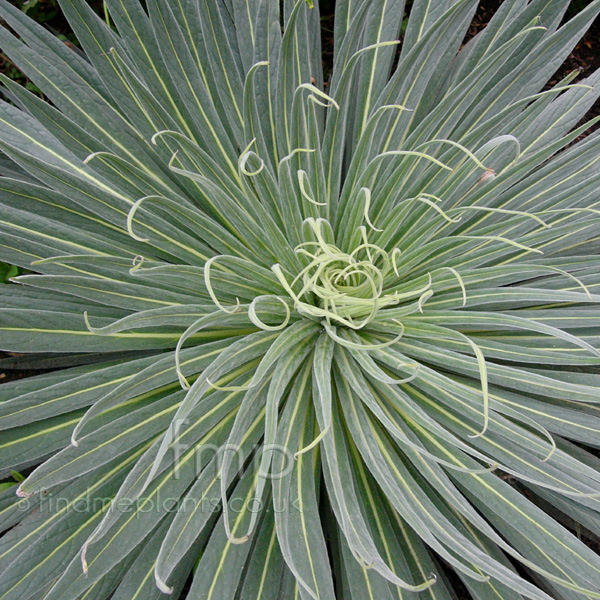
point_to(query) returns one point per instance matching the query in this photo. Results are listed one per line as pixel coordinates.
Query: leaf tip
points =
(161, 585)
(22, 494)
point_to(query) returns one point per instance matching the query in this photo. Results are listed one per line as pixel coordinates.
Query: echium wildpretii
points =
(352, 278)
(338, 336)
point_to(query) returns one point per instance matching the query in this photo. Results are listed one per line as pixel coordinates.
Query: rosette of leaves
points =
(309, 340)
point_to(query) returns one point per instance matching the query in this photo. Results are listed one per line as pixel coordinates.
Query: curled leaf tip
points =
(137, 263)
(22, 494)
(367, 194)
(238, 540)
(227, 388)
(480, 434)
(161, 585)
(552, 450)
(183, 382)
(259, 323)
(86, 320)
(84, 565)
(460, 147)
(460, 282)
(130, 217)
(210, 290)
(154, 138)
(245, 157)
(314, 443)
(423, 299)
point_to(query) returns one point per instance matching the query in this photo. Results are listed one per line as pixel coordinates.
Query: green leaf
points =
(295, 496)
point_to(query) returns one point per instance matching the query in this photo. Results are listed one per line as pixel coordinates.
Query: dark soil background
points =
(585, 58)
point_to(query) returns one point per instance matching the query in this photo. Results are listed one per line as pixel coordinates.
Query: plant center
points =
(344, 288)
